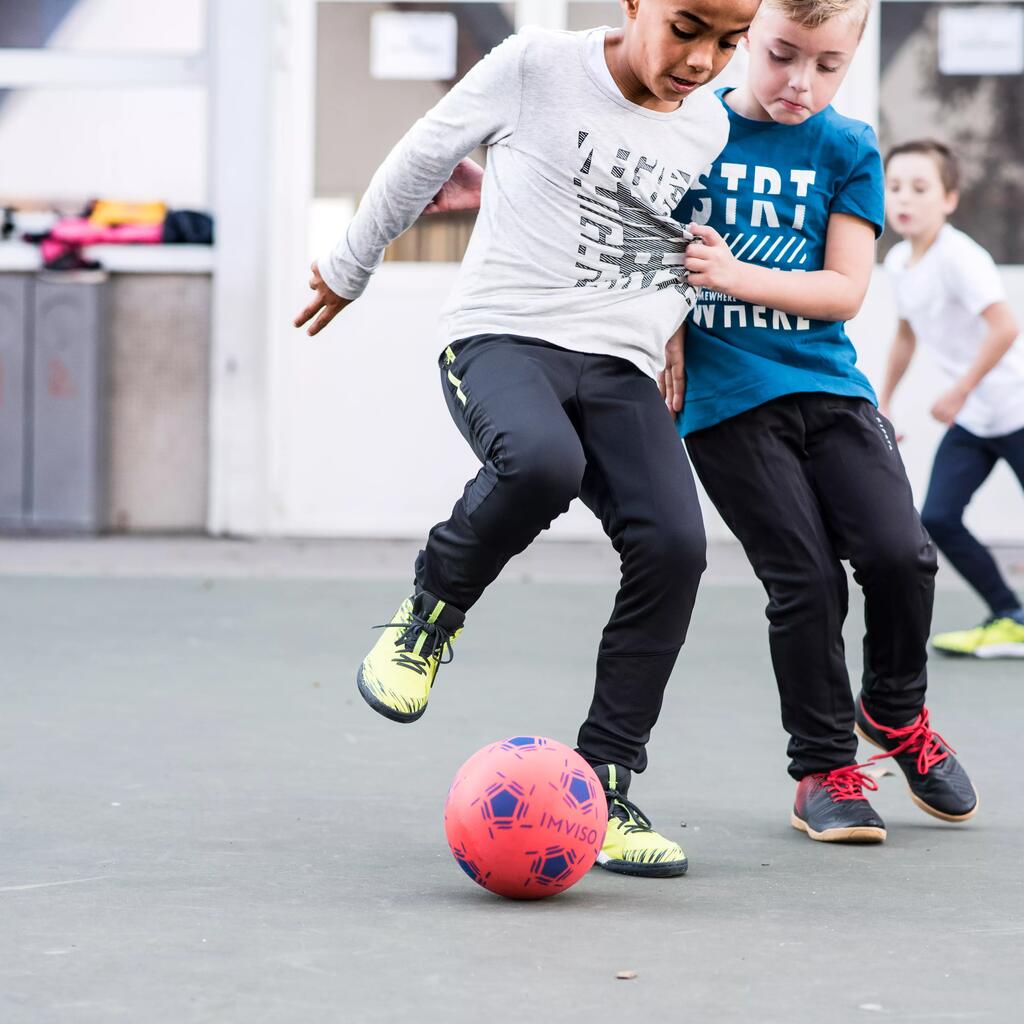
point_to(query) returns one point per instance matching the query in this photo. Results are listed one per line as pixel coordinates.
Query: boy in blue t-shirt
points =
(783, 429)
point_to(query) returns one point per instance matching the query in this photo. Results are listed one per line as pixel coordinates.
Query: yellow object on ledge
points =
(113, 211)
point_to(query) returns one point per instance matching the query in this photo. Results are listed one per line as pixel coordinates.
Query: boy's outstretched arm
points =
(481, 110)
(835, 293)
(1002, 332)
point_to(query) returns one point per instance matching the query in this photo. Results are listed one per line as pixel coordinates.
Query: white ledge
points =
(22, 68)
(119, 259)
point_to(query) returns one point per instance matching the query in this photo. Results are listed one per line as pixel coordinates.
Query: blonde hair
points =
(813, 13)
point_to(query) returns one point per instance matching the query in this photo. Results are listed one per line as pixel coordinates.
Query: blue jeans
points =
(962, 464)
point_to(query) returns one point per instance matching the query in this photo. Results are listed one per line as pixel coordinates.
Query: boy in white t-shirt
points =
(950, 296)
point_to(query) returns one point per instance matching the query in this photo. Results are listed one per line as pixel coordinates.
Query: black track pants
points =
(803, 482)
(551, 425)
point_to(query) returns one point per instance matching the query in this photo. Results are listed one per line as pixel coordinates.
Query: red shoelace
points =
(847, 783)
(917, 738)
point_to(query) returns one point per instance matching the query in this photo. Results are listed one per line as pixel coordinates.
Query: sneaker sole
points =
(856, 834)
(669, 869)
(947, 653)
(927, 808)
(987, 653)
(381, 708)
(1000, 651)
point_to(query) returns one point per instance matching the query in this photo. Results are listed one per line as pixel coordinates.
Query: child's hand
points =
(710, 261)
(326, 304)
(672, 380)
(948, 405)
(461, 191)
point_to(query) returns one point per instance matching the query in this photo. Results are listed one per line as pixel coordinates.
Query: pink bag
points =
(74, 232)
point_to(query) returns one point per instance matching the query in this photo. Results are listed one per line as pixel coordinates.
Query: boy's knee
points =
(676, 548)
(683, 545)
(905, 560)
(545, 473)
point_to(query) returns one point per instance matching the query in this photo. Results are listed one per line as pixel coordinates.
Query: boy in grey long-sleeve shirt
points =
(572, 284)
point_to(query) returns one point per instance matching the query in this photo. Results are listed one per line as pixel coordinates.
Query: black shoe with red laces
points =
(832, 808)
(938, 783)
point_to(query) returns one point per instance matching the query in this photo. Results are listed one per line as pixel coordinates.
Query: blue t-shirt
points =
(770, 194)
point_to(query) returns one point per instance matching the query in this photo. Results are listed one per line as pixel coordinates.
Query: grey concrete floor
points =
(201, 821)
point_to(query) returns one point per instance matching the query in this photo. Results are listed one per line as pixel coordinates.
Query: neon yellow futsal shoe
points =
(396, 676)
(631, 846)
(997, 638)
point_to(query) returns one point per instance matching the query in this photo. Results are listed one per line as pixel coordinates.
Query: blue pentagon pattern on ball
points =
(464, 861)
(578, 791)
(552, 866)
(502, 805)
(520, 745)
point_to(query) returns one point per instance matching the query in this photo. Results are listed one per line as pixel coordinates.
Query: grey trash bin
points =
(69, 384)
(15, 328)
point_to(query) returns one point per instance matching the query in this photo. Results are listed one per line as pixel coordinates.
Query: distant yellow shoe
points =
(631, 846)
(997, 638)
(396, 676)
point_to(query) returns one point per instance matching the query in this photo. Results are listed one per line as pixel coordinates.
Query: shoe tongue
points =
(614, 776)
(909, 722)
(448, 617)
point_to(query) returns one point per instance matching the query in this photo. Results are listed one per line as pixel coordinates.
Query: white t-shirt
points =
(942, 297)
(575, 242)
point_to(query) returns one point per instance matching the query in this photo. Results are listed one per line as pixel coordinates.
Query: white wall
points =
(114, 139)
(74, 144)
(368, 448)
(367, 445)
(362, 444)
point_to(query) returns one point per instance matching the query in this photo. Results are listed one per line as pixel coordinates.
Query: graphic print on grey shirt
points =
(575, 242)
(648, 252)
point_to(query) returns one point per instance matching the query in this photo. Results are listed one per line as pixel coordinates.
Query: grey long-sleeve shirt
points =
(575, 243)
